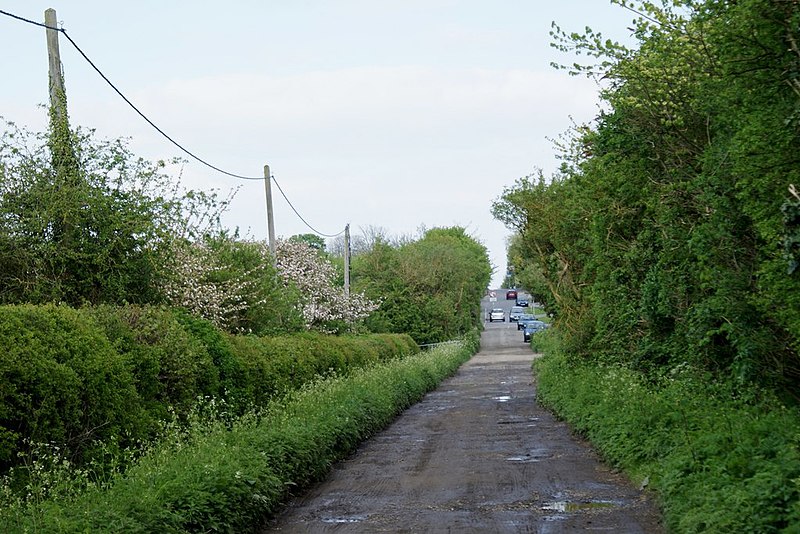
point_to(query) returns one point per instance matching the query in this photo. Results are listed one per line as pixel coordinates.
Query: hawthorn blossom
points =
(193, 285)
(203, 284)
(323, 302)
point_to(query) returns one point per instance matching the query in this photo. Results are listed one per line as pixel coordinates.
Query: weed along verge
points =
(223, 475)
(719, 462)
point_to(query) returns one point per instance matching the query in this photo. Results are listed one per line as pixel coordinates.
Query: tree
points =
(232, 283)
(103, 236)
(311, 277)
(662, 238)
(429, 288)
(312, 240)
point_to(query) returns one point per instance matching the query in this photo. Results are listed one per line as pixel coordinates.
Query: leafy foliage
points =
(429, 288)
(722, 461)
(229, 475)
(661, 240)
(322, 302)
(233, 284)
(81, 380)
(61, 382)
(101, 234)
(667, 247)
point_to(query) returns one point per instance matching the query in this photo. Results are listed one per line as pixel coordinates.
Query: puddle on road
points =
(343, 519)
(535, 455)
(524, 459)
(568, 507)
(440, 408)
(519, 421)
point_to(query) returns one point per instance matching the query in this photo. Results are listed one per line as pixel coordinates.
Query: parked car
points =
(511, 294)
(524, 318)
(515, 313)
(532, 327)
(522, 302)
(497, 314)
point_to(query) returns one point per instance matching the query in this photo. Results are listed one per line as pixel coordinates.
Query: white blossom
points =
(322, 301)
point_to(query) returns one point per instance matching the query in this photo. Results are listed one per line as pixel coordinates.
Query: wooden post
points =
(347, 260)
(58, 94)
(270, 221)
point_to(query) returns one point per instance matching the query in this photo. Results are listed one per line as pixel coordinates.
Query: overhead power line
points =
(159, 130)
(127, 101)
(300, 216)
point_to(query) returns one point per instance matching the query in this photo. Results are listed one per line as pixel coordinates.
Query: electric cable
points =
(127, 101)
(300, 216)
(159, 130)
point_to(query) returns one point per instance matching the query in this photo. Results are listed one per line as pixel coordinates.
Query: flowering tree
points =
(323, 304)
(196, 285)
(232, 284)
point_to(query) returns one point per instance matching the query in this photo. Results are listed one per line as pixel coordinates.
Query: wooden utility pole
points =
(58, 94)
(347, 260)
(270, 221)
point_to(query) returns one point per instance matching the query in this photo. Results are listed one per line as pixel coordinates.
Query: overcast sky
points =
(392, 114)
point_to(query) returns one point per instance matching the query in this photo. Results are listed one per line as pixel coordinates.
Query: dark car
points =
(522, 302)
(532, 327)
(511, 294)
(515, 313)
(525, 318)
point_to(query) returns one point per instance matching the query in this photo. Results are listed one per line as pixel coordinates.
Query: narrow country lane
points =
(476, 455)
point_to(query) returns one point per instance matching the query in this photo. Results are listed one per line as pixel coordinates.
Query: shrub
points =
(60, 381)
(721, 460)
(229, 478)
(171, 367)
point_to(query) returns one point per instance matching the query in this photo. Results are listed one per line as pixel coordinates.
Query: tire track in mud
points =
(476, 455)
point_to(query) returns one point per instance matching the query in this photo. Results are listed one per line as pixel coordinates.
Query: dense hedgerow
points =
(75, 379)
(223, 476)
(720, 460)
(61, 381)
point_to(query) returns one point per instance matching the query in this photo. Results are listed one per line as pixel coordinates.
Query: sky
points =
(391, 114)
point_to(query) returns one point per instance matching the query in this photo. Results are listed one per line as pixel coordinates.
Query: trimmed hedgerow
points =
(223, 476)
(61, 381)
(73, 379)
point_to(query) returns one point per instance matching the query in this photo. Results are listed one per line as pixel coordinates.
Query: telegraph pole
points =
(270, 221)
(62, 152)
(347, 260)
(58, 94)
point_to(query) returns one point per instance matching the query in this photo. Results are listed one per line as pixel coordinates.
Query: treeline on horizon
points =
(669, 239)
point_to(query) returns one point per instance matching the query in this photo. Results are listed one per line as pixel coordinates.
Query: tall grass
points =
(720, 459)
(229, 475)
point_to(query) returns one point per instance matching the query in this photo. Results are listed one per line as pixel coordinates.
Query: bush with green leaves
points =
(323, 303)
(77, 380)
(95, 231)
(232, 283)
(230, 476)
(430, 288)
(666, 238)
(276, 365)
(720, 459)
(61, 382)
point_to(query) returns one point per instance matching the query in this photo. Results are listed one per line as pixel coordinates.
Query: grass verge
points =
(720, 460)
(230, 476)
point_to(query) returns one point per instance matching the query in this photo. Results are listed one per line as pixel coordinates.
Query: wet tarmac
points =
(476, 455)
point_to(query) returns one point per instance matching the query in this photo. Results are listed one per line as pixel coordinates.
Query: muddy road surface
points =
(476, 455)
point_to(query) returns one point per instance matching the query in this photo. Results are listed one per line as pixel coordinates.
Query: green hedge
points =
(77, 378)
(225, 477)
(61, 381)
(720, 461)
